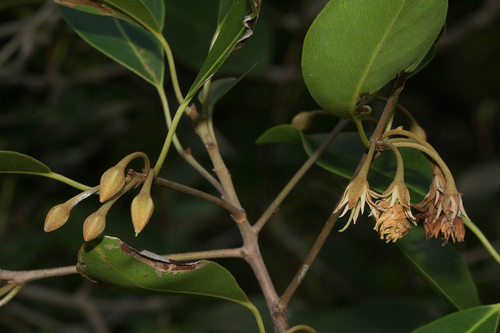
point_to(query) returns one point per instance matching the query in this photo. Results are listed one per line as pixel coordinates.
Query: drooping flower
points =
(397, 194)
(392, 222)
(356, 195)
(442, 209)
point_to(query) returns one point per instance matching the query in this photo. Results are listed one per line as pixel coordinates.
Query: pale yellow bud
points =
(57, 216)
(94, 225)
(112, 181)
(142, 206)
(141, 210)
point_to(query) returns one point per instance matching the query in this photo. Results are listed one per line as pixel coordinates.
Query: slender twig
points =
(210, 254)
(236, 212)
(389, 106)
(283, 301)
(21, 277)
(298, 175)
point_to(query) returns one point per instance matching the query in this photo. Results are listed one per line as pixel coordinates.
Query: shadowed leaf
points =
(13, 162)
(483, 319)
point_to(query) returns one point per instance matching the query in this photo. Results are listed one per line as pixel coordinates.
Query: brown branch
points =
(210, 254)
(21, 277)
(250, 237)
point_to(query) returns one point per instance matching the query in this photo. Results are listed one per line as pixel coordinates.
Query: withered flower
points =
(392, 222)
(354, 198)
(442, 209)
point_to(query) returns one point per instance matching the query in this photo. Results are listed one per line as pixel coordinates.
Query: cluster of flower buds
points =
(114, 183)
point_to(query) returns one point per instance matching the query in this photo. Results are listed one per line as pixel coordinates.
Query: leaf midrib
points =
(357, 93)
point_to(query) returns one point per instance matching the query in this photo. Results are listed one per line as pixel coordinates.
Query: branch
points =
(211, 254)
(21, 277)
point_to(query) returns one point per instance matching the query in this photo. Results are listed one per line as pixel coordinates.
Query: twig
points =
(283, 301)
(21, 277)
(235, 212)
(210, 254)
(298, 175)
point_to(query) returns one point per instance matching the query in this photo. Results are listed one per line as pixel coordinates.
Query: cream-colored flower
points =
(355, 196)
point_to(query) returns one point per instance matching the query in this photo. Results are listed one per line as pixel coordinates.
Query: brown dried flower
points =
(392, 222)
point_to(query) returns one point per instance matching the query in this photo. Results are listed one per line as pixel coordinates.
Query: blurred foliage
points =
(73, 109)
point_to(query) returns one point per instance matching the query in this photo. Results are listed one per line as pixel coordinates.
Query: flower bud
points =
(142, 206)
(57, 216)
(141, 210)
(94, 225)
(112, 181)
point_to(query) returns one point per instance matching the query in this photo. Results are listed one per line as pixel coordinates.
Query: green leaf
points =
(13, 162)
(148, 14)
(343, 155)
(483, 319)
(233, 34)
(358, 46)
(126, 43)
(441, 267)
(114, 264)
(138, 11)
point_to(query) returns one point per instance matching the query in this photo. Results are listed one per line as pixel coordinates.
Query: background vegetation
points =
(77, 111)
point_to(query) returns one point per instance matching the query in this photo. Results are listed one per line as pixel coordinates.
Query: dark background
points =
(78, 112)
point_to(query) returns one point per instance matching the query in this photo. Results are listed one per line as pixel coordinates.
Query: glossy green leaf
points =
(343, 155)
(126, 43)
(483, 319)
(234, 32)
(358, 46)
(13, 162)
(441, 267)
(114, 264)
